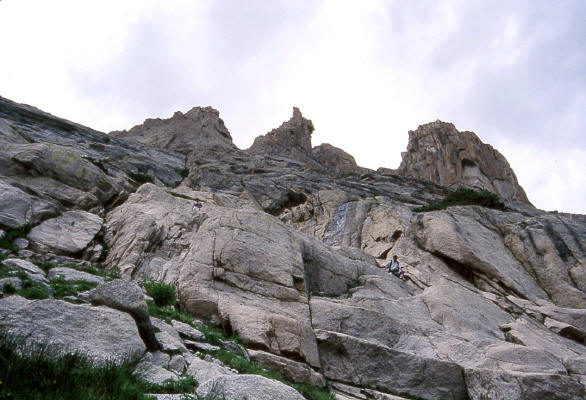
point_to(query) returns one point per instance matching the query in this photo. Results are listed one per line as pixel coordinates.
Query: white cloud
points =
(366, 72)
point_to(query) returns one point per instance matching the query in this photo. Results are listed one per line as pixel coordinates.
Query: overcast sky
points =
(365, 72)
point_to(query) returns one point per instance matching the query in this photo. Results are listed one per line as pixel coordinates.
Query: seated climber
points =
(393, 266)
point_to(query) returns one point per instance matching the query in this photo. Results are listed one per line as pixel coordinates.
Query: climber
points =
(393, 266)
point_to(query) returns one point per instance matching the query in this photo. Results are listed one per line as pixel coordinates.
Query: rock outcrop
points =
(335, 159)
(281, 245)
(292, 138)
(439, 153)
(182, 133)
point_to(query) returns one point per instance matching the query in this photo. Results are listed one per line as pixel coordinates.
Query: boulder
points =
(204, 371)
(154, 373)
(168, 337)
(67, 234)
(23, 265)
(187, 331)
(70, 274)
(361, 362)
(127, 296)
(18, 207)
(292, 370)
(31, 270)
(20, 243)
(101, 333)
(201, 346)
(177, 363)
(335, 159)
(251, 387)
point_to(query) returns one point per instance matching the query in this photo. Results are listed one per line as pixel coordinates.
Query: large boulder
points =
(251, 387)
(366, 363)
(18, 207)
(70, 274)
(101, 333)
(68, 234)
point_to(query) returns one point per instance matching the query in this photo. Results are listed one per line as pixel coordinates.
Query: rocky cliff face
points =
(182, 133)
(439, 153)
(282, 247)
(292, 138)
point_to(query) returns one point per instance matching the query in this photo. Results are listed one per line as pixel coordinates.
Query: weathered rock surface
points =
(281, 243)
(70, 274)
(187, 331)
(68, 234)
(31, 270)
(204, 371)
(182, 133)
(154, 373)
(439, 153)
(99, 332)
(335, 159)
(18, 207)
(292, 138)
(62, 165)
(251, 387)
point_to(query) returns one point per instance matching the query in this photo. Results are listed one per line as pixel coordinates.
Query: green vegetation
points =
(162, 294)
(11, 234)
(183, 172)
(99, 270)
(35, 372)
(64, 288)
(463, 197)
(8, 289)
(213, 334)
(141, 177)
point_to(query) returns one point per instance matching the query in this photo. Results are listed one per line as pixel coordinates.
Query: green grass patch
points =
(8, 289)
(5, 272)
(11, 234)
(98, 269)
(464, 197)
(64, 288)
(162, 293)
(33, 292)
(35, 372)
(169, 313)
(213, 334)
(183, 172)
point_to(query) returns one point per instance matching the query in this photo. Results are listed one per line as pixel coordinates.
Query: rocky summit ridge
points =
(281, 244)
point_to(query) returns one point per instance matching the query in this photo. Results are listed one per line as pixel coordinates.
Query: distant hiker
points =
(197, 206)
(393, 266)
